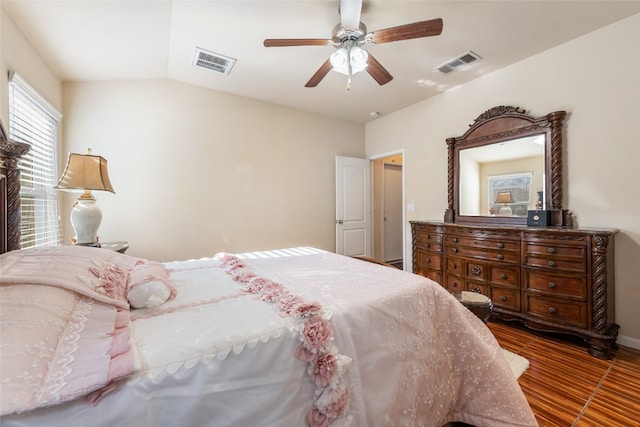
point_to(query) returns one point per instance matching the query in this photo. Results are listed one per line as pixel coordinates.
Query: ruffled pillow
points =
(98, 273)
(149, 285)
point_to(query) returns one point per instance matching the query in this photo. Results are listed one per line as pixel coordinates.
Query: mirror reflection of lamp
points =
(85, 172)
(504, 197)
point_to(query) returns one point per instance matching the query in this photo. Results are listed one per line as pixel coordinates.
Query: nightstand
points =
(120, 247)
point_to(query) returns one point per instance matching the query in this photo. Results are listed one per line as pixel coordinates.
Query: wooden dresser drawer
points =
(553, 238)
(476, 287)
(574, 251)
(434, 275)
(505, 276)
(428, 227)
(507, 298)
(556, 285)
(454, 283)
(475, 270)
(428, 233)
(556, 310)
(508, 245)
(429, 260)
(489, 233)
(555, 263)
(429, 246)
(488, 255)
(455, 266)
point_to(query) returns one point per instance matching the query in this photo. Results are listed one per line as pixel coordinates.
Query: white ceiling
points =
(90, 40)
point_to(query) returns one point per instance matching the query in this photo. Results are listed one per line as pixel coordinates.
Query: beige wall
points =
(198, 171)
(17, 53)
(601, 93)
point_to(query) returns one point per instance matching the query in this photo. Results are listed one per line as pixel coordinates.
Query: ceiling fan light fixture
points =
(340, 60)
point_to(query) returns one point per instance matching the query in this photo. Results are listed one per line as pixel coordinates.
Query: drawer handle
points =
(552, 263)
(500, 245)
(428, 237)
(476, 290)
(551, 250)
(454, 250)
(503, 298)
(428, 246)
(476, 271)
(454, 285)
(500, 257)
(552, 310)
(455, 240)
(552, 285)
(428, 260)
(503, 276)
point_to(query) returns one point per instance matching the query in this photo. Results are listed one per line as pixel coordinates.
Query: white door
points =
(392, 224)
(353, 206)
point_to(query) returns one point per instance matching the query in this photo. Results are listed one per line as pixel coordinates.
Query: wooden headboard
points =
(10, 153)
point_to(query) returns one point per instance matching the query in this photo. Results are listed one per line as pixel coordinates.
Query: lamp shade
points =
(85, 172)
(504, 197)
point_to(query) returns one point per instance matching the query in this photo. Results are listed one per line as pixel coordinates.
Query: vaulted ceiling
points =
(98, 40)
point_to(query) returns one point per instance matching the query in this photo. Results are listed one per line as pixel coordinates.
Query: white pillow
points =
(149, 294)
(149, 285)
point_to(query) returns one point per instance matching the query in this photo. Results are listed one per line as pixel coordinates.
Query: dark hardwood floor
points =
(565, 386)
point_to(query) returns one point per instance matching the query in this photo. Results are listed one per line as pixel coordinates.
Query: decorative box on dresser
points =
(551, 279)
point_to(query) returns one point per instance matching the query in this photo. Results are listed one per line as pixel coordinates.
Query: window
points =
(34, 121)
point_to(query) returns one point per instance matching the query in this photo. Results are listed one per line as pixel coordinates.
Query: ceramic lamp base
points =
(86, 217)
(505, 211)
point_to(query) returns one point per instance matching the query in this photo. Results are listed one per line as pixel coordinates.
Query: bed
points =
(289, 337)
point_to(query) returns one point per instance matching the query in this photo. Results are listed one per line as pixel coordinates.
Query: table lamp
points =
(504, 198)
(85, 172)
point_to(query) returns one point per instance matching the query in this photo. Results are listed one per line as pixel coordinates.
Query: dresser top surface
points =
(591, 230)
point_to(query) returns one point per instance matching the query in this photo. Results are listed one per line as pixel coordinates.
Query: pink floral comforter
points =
(280, 338)
(65, 325)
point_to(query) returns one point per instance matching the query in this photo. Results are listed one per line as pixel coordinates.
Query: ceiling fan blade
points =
(295, 42)
(377, 71)
(350, 14)
(319, 75)
(415, 30)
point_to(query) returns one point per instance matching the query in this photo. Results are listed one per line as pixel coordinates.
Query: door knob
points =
(339, 221)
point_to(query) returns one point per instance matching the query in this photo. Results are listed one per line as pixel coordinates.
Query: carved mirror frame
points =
(506, 123)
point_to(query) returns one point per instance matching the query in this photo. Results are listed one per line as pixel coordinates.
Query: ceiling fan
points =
(350, 35)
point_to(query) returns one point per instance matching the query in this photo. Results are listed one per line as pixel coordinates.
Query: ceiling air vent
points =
(459, 62)
(213, 61)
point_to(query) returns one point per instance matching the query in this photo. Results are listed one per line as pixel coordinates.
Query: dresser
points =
(551, 279)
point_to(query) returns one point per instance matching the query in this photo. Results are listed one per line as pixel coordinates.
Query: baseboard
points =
(628, 342)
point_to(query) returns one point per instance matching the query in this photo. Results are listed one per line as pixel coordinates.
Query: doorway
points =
(392, 213)
(388, 212)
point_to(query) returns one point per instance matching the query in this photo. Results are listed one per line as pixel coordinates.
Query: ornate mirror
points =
(506, 164)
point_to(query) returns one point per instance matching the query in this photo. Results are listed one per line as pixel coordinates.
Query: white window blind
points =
(34, 121)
